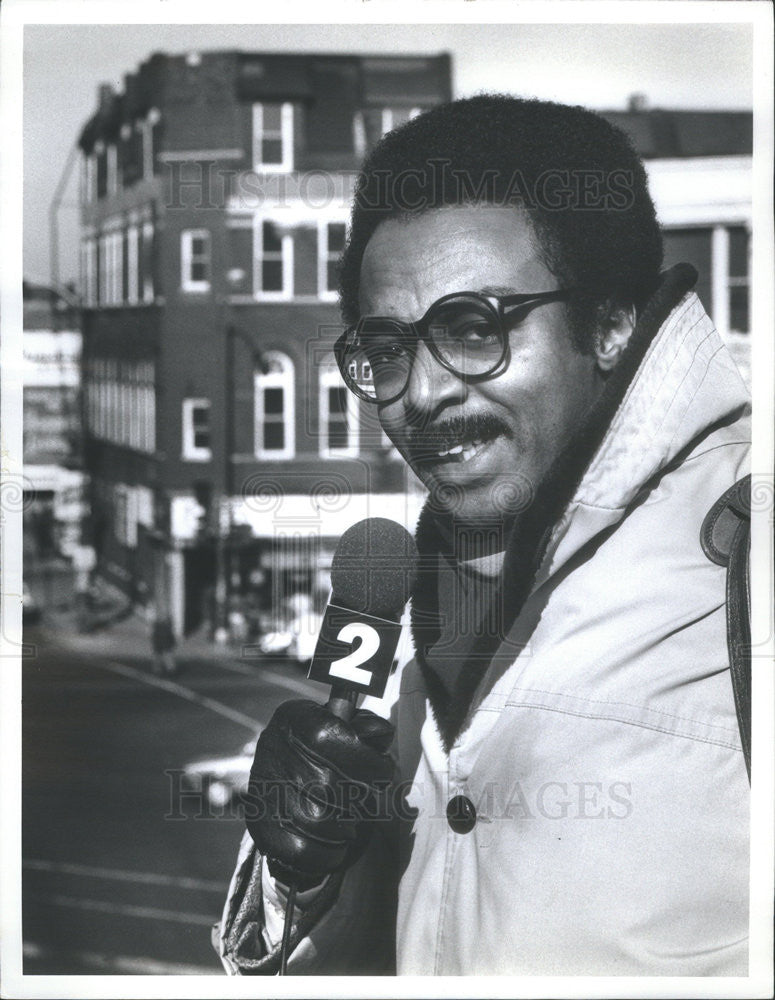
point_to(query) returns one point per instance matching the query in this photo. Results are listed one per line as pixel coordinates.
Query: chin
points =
(494, 499)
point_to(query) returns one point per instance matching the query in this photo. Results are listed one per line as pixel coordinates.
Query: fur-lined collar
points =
(527, 544)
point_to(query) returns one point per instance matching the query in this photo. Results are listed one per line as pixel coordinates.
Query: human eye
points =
(471, 329)
(383, 350)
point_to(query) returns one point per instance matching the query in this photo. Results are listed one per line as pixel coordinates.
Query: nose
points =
(430, 386)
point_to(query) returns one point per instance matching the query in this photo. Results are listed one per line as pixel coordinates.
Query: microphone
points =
(372, 575)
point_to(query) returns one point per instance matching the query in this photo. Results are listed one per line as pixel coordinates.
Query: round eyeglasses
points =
(467, 333)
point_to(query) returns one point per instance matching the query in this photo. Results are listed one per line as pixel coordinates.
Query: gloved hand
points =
(315, 785)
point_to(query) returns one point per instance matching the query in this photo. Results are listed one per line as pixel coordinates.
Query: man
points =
(568, 790)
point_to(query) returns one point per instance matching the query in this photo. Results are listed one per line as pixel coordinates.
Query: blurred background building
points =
(224, 455)
(53, 477)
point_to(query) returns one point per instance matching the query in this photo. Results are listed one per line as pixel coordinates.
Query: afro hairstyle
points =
(578, 177)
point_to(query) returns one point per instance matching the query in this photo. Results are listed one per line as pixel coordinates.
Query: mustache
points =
(426, 442)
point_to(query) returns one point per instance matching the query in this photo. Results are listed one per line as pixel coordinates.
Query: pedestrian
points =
(163, 646)
(569, 792)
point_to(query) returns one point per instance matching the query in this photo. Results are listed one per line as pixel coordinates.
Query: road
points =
(121, 874)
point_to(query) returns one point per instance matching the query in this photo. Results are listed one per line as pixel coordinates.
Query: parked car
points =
(297, 640)
(223, 780)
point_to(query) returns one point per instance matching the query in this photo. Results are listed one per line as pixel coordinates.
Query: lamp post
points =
(222, 505)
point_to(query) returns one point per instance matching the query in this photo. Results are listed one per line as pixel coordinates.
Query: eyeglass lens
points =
(464, 333)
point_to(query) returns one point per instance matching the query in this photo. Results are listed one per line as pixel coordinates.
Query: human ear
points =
(614, 331)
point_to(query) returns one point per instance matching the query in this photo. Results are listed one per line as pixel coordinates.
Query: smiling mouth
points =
(456, 440)
(461, 452)
(448, 452)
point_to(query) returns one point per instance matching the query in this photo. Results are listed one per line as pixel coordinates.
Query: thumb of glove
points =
(373, 730)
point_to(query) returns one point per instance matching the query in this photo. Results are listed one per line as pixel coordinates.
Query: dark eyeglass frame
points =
(412, 334)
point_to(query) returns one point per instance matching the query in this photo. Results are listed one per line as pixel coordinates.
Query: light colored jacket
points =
(603, 757)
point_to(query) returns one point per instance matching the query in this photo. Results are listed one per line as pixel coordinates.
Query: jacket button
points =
(461, 814)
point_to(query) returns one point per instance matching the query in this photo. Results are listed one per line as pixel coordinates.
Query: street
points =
(124, 871)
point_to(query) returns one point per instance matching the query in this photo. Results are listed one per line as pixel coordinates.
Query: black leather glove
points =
(317, 785)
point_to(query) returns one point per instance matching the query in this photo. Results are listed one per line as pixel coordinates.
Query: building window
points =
(133, 436)
(120, 512)
(147, 376)
(89, 272)
(272, 137)
(100, 169)
(730, 247)
(117, 275)
(89, 190)
(739, 279)
(274, 261)
(132, 264)
(146, 263)
(331, 237)
(195, 260)
(370, 125)
(275, 408)
(338, 416)
(393, 117)
(112, 170)
(146, 128)
(196, 430)
(125, 504)
(721, 256)
(111, 269)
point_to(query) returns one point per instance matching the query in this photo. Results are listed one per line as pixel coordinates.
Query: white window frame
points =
(99, 405)
(125, 423)
(189, 451)
(120, 512)
(110, 269)
(148, 291)
(286, 257)
(722, 282)
(117, 272)
(187, 260)
(331, 379)
(739, 280)
(286, 138)
(144, 506)
(147, 402)
(359, 135)
(103, 397)
(134, 408)
(90, 272)
(132, 263)
(111, 179)
(151, 418)
(284, 379)
(102, 278)
(146, 127)
(110, 429)
(387, 117)
(325, 294)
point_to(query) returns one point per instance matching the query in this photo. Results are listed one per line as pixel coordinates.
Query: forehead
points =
(409, 262)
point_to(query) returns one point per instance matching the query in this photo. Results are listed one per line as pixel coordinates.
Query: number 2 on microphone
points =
(348, 667)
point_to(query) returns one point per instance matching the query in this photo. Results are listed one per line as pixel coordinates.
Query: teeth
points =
(467, 450)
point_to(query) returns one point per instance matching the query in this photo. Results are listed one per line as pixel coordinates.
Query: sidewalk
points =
(116, 627)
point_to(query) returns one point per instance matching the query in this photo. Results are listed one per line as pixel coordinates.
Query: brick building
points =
(224, 454)
(53, 480)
